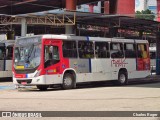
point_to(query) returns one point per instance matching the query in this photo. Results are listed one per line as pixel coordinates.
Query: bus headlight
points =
(38, 73)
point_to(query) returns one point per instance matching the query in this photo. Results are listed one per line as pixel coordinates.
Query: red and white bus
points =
(66, 60)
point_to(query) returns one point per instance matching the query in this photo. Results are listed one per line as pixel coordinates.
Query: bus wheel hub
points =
(68, 81)
(122, 78)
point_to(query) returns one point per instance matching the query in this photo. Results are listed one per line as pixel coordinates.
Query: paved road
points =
(139, 96)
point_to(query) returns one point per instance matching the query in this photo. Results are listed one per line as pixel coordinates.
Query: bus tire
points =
(68, 81)
(42, 87)
(122, 78)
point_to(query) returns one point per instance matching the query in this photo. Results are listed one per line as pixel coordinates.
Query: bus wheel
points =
(42, 87)
(122, 78)
(68, 81)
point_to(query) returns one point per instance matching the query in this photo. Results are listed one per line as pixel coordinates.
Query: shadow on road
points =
(5, 79)
(134, 83)
(147, 83)
(151, 82)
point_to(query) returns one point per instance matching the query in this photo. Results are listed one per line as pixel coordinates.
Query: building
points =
(146, 4)
(110, 7)
(93, 8)
(140, 5)
(152, 5)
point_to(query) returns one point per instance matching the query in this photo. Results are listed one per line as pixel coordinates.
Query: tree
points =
(145, 14)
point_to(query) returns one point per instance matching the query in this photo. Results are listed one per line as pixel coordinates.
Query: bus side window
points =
(2, 53)
(102, 50)
(129, 50)
(85, 49)
(9, 53)
(69, 49)
(116, 50)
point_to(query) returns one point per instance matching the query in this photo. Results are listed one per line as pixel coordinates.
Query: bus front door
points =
(52, 58)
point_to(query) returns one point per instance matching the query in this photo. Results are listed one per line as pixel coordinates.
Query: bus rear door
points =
(143, 61)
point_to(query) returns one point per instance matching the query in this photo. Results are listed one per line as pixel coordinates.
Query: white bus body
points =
(6, 52)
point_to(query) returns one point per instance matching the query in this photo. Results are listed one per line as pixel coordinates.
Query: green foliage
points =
(145, 14)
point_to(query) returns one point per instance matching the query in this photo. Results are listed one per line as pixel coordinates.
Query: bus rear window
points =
(142, 50)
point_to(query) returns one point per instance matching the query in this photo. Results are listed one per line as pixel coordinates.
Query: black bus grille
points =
(28, 81)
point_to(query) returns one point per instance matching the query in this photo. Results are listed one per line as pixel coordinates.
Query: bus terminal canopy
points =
(14, 7)
(117, 21)
(64, 17)
(82, 19)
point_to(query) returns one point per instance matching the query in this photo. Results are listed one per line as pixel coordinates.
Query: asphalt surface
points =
(143, 95)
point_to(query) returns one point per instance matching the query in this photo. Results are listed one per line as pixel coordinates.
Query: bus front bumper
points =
(29, 81)
(40, 80)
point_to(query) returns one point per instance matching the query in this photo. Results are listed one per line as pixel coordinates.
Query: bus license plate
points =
(23, 83)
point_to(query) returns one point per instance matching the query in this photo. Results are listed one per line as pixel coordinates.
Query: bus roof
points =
(7, 42)
(87, 38)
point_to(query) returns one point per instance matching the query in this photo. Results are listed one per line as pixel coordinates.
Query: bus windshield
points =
(27, 57)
